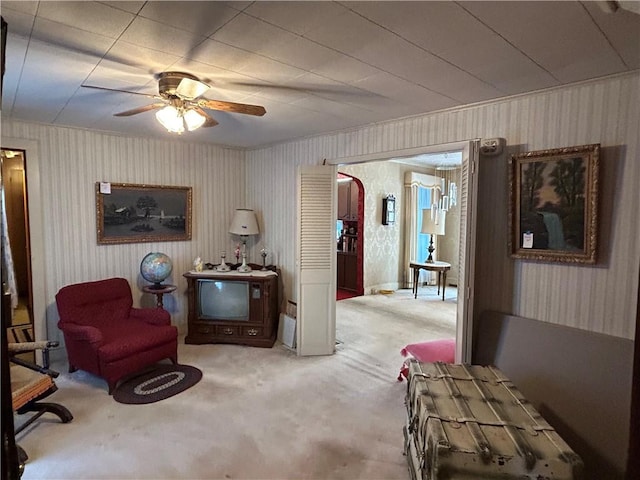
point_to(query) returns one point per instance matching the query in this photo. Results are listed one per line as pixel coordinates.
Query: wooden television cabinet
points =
(259, 325)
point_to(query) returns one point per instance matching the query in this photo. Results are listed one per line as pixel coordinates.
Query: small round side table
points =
(159, 292)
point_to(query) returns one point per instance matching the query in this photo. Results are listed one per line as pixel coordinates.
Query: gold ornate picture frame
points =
(128, 213)
(553, 207)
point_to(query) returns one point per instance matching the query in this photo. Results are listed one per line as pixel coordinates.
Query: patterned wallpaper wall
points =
(72, 160)
(599, 298)
(383, 244)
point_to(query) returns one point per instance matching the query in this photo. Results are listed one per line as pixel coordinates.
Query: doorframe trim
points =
(463, 345)
(36, 229)
(399, 153)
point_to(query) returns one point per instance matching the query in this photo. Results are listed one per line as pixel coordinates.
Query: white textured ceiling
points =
(315, 66)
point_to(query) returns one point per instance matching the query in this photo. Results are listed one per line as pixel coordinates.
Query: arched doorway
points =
(350, 237)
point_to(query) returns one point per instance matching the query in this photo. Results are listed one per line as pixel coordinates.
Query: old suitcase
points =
(471, 422)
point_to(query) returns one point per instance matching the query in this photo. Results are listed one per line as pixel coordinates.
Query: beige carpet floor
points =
(257, 413)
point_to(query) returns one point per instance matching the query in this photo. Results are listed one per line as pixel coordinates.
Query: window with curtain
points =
(422, 239)
(418, 191)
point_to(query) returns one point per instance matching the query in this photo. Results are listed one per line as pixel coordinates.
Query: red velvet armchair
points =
(106, 336)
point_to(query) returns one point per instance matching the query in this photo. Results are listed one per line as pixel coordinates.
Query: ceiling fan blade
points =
(231, 107)
(305, 88)
(135, 111)
(120, 91)
(190, 89)
(209, 120)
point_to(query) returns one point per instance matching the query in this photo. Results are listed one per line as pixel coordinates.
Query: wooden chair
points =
(30, 383)
(11, 462)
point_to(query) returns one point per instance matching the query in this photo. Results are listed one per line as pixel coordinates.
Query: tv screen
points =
(223, 300)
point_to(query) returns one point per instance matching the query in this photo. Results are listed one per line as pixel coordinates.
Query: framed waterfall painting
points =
(127, 213)
(553, 207)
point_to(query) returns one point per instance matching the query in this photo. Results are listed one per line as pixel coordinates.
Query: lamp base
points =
(244, 268)
(431, 249)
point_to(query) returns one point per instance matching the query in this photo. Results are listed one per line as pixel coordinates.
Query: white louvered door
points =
(316, 260)
(468, 213)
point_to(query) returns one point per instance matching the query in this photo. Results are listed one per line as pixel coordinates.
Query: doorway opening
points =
(422, 188)
(464, 254)
(36, 242)
(350, 237)
(15, 216)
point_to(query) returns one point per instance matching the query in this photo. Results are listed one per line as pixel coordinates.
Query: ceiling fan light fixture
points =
(180, 103)
(171, 119)
(191, 89)
(193, 120)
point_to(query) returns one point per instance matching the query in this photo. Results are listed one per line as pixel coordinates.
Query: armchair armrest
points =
(153, 316)
(36, 368)
(17, 348)
(30, 346)
(81, 333)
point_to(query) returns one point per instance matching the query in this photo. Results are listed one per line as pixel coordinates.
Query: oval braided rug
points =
(162, 381)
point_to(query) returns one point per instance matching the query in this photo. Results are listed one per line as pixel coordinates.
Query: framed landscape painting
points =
(553, 208)
(127, 213)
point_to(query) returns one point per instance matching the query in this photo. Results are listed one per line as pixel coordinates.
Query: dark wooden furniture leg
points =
(444, 282)
(12, 459)
(159, 303)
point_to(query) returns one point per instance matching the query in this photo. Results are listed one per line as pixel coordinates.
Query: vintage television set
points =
(224, 299)
(233, 307)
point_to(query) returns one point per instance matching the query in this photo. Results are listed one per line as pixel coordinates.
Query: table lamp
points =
(244, 224)
(433, 226)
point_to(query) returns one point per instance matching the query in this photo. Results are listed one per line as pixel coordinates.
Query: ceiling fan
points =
(181, 103)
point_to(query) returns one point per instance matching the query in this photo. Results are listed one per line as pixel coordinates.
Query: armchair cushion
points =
(155, 316)
(105, 335)
(128, 339)
(27, 385)
(102, 313)
(82, 333)
(105, 302)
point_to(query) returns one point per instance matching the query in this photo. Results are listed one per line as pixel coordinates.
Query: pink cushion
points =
(443, 350)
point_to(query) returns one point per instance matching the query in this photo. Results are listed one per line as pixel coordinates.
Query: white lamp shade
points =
(191, 89)
(170, 119)
(433, 226)
(244, 223)
(193, 120)
(174, 120)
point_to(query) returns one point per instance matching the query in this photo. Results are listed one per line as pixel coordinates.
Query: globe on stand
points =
(155, 268)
